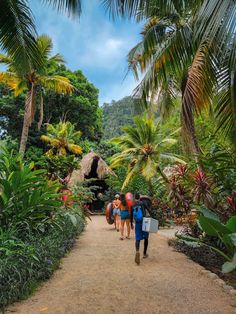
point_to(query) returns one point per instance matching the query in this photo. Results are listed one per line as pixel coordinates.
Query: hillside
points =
(118, 114)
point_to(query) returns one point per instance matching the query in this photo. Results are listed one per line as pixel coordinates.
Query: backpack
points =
(137, 213)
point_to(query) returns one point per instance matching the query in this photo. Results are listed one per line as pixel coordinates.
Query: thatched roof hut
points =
(91, 166)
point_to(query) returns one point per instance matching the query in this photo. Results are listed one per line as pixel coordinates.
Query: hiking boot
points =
(145, 255)
(137, 258)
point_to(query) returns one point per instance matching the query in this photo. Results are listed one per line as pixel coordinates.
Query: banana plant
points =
(226, 233)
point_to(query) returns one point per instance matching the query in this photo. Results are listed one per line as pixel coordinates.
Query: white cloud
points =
(105, 52)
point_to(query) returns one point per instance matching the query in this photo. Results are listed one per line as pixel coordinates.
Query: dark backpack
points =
(137, 213)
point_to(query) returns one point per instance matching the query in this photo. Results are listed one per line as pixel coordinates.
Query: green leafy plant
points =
(26, 196)
(225, 233)
(25, 263)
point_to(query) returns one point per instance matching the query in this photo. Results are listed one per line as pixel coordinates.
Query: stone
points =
(212, 276)
(227, 287)
(205, 271)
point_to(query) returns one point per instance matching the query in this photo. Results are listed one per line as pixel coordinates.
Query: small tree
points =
(142, 150)
(62, 138)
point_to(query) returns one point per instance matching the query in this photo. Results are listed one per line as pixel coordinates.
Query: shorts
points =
(139, 233)
(116, 212)
(124, 214)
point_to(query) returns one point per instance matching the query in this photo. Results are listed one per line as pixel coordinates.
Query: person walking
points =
(138, 212)
(116, 211)
(125, 217)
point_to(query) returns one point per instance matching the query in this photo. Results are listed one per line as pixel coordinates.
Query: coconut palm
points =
(191, 42)
(62, 138)
(17, 29)
(34, 82)
(165, 73)
(142, 150)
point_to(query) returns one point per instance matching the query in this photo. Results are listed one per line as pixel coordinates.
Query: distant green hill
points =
(118, 114)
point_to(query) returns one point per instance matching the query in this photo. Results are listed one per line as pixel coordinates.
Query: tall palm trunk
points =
(40, 111)
(28, 117)
(187, 123)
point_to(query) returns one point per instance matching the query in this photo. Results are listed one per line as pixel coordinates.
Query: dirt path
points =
(100, 276)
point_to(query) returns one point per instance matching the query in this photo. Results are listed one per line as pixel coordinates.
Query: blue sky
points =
(95, 44)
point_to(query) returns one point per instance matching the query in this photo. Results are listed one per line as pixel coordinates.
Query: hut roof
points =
(86, 163)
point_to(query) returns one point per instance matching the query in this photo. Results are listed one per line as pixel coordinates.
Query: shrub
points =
(27, 198)
(160, 212)
(24, 264)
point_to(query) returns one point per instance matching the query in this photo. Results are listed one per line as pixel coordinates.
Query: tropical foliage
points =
(183, 42)
(79, 107)
(62, 138)
(26, 198)
(35, 230)
(142, 150)
(18, 32)
(225, 234)
(26, 262)
(34, 82)
(186, 65)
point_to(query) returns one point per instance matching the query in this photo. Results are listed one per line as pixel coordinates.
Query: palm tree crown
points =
(34, 82)
(62, 138)
(142, 150)
(192, 42)
(18, 36)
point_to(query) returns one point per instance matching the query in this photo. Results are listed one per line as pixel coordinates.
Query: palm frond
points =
(9, 79)
(5, 59)
(140, 9)
(200, 82)
(18, 34)
(71, 7)
(57, 83)
(45, 46)
(172, 158)
(213, 19)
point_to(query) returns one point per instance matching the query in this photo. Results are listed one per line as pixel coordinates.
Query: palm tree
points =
(62, 138)
(165, 73)
(142, 150)
(17, 29)
(192, 42)
(34, 82)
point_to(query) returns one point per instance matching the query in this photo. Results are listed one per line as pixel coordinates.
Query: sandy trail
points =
(100, 276)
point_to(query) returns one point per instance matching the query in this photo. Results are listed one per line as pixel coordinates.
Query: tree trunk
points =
(40, 111)
(187, 123)
(28, 115)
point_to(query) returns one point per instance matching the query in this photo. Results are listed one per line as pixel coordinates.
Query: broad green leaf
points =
(231, 224)
(229, 266)
(212, 227)
(73, 219)
(233, 239)
(208, 213)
